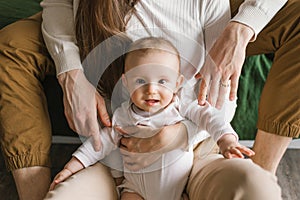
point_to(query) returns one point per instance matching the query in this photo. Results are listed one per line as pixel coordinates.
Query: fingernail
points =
(108, 122)
(97, 148)
(201, 103)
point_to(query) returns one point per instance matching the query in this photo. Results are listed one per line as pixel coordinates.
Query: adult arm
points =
(58, 28)
(227, 54)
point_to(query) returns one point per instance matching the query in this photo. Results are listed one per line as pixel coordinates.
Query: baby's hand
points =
(230, 148)
(237, 152)
(74, 165)
(60, 177)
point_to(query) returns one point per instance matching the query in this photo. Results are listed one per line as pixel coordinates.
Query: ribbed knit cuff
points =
(66, 61)
(256, 15)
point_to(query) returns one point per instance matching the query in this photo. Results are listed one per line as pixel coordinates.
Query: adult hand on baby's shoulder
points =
(79, 97)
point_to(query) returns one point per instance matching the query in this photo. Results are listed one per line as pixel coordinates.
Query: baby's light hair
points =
(150, 44)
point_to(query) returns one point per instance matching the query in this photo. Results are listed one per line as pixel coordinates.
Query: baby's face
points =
(152, 79)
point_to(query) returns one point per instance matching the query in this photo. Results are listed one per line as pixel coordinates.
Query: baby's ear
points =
(179, 81)
(124, 80)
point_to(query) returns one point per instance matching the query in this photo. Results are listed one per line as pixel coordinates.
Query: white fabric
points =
(166, 177)
(258, 13)
(191, 25)
(155, 181)
(190, 17)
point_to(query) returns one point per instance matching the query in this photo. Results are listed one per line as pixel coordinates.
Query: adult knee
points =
(233, 179)
(242, 179)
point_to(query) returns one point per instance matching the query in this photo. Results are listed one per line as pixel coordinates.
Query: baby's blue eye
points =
(162, 81)
(140, 81)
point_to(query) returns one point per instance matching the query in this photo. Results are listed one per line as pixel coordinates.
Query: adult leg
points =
(32, 182)
(214, 177)
(269, 149)
(94, 182)
(24, 121)
(279, 121)
(279, 108)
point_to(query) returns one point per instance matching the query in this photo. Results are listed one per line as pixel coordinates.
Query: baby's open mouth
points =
(152, 101)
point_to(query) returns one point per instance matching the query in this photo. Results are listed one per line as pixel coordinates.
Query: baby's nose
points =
(151, 88)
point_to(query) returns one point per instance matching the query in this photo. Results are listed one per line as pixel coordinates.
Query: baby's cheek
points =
(167, 98)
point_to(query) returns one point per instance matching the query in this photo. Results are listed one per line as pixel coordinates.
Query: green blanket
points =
(251, 82)
(12, 10)
(252, 79)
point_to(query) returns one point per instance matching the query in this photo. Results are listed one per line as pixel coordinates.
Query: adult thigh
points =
(215, 177)
(92, 183)
(24, 122)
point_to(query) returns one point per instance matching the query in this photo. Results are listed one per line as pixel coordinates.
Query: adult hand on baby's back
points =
(141, 145)
(223, 64)
(82, 103)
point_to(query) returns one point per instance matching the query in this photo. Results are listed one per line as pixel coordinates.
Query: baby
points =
(152, 78)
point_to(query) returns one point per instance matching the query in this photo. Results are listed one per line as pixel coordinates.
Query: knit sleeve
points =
(58, 29)
(258, 13)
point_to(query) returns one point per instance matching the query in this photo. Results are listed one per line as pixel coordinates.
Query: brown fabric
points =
(24, 126)
(279, 108)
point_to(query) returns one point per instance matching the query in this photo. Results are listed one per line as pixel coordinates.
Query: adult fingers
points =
(96, 142)
(70, 122)
(137, 131)
(132, 145)
(234, 87)
(214, 91)
(67, 113)
(203, 88)
(90, 126)
(137, 161)
(223, 90)
(127, 130)
(102, 111)
(124, 143)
